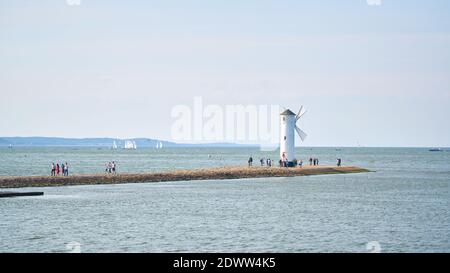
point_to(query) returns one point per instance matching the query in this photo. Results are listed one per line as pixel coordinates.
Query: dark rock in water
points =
(17, 194)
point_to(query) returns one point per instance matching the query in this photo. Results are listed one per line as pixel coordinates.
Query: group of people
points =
(63, 169)
(57, 169)
(266, 161)
(111, 167)
(313, 161)
(263, 161)
(283, 162)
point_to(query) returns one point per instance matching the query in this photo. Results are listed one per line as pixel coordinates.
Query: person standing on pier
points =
(250, 161)
(310, 161)
(57, 169)
(339, 162)
(66, 170)
(113, 166)
(53, 172)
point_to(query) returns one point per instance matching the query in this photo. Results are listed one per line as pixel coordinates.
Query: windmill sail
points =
(301, 133)
(299, 112)
(299, 115)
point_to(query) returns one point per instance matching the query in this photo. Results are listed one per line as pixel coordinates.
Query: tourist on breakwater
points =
(57, 169)
(53, 170)
(310, 161)
(316, 162)
(284, 160)
(300, 164)
(66, 170)
(111, 167)
(250, 161)
(339, 162)
(262, 161)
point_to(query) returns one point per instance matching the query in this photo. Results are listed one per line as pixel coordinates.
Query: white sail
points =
(134, 145)
(129, 145)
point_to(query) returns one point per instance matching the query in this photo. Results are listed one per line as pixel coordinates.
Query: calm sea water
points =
(403, 205)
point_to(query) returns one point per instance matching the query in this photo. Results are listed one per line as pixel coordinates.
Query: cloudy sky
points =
(373, 75)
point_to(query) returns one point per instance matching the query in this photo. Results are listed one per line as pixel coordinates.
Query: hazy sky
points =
(374, 75)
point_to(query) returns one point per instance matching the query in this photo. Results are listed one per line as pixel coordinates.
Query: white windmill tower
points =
(288, 123)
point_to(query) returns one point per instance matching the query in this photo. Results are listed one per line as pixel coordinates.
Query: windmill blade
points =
(299, 111)
(299, 116)
(301, 133)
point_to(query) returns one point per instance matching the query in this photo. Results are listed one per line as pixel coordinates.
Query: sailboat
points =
(10, 146)
(114, 146)
(159, 145)
(130, 145)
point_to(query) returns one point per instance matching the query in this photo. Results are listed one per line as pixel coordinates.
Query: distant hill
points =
(3, 142)
(57, 141)
(100, 142)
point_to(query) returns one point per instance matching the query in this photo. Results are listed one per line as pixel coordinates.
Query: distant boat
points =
(10, 146)
(436, 150)
(159, 145)
(130, 145)
(114, 146)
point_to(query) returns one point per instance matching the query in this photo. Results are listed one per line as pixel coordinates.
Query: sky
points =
(370, 75)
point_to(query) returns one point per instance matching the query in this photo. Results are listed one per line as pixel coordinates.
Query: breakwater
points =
(176, 175)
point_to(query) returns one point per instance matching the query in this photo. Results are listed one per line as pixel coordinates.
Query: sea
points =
(402, 205)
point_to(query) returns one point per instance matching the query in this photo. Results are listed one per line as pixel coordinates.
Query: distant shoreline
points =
(48, 142)
(176, 175)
